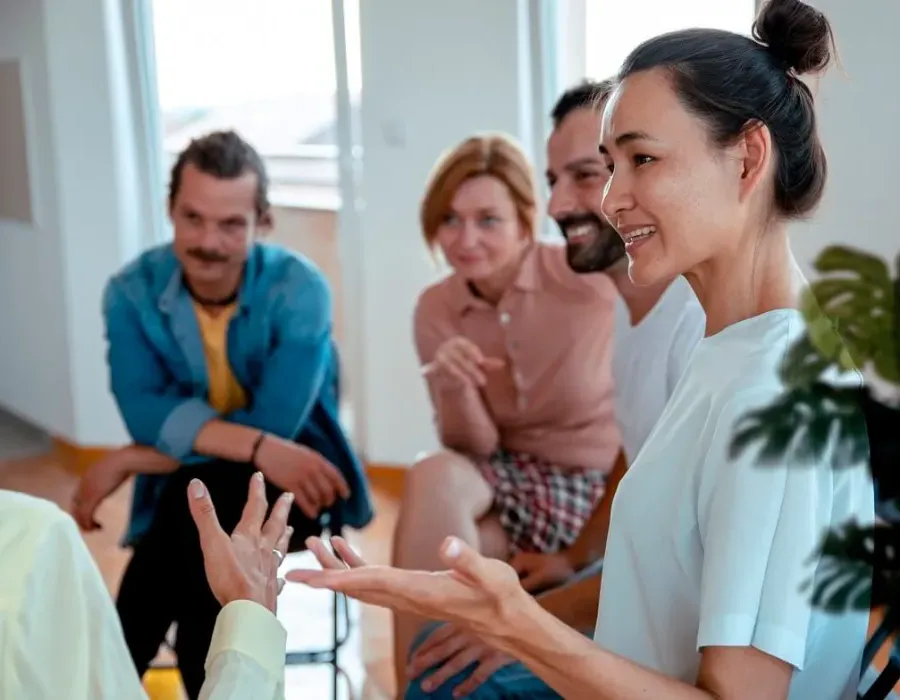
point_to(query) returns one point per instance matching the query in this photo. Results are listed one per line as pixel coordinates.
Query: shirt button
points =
(504, 318)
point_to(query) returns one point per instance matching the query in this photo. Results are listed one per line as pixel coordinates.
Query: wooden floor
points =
(305, 613)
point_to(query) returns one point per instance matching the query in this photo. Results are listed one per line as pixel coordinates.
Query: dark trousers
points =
(165, 581)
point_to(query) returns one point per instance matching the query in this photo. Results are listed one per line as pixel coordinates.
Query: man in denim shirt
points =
(222, 363)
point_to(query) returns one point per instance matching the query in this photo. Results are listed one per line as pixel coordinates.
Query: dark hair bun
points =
(796, 34)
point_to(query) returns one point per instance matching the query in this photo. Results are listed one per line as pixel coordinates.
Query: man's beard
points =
(598, 250)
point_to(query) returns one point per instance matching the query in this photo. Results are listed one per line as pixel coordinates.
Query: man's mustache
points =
(207, 255)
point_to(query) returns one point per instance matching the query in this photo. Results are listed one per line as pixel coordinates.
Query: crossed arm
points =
(189, 429)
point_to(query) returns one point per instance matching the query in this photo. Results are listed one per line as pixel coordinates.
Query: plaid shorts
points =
(542, 506)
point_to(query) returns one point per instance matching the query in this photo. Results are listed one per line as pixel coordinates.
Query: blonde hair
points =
(495, 155)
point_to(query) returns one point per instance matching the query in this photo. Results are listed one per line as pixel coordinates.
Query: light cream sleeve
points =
(246, 655)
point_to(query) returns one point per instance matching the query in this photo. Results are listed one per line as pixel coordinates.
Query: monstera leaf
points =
(860, 568)
(851, 312)
(802, 423)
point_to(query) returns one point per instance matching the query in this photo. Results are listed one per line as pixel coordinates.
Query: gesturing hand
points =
(477, 593)
(454, 650)
(314, 481)
(459, 361)
(243, 566)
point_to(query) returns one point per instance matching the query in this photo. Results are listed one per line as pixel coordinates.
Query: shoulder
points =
(146, 275)
(436, 301)
(279, 268)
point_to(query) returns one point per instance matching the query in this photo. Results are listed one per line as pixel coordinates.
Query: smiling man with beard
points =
(657, 328)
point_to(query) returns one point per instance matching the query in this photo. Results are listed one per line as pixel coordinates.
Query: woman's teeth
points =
(639, 234)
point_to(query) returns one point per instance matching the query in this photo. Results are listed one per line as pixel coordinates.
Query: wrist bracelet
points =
(256, 444)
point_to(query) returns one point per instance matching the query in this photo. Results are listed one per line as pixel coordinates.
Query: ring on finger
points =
(278, 555)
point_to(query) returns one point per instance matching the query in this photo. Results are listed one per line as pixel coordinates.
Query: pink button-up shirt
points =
(554, 398)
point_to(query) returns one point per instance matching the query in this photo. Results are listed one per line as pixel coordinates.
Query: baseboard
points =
(388, 478)
(77, 458)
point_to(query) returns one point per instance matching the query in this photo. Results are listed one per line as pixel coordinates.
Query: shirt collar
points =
(175, 287)
(528, 279)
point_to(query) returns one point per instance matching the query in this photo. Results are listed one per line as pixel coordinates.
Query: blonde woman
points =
(516, 350)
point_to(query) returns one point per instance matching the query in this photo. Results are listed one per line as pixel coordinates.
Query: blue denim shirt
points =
(280, 349)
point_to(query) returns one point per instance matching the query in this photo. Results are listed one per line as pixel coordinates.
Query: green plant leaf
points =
(851, 312)
(859, 568)
(802, 423)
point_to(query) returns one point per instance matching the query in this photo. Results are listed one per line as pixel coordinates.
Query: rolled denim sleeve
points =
(154, 413)
(299, 361)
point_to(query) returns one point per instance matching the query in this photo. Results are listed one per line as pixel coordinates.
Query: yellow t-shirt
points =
(225, 393)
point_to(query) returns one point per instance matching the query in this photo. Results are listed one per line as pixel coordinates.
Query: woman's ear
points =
(755, 151)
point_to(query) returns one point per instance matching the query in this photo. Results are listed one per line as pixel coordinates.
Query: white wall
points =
(35, 380)
(89, 215)
(859, 112)
(433, 74)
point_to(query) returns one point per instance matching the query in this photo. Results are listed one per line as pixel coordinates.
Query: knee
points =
(440, 472)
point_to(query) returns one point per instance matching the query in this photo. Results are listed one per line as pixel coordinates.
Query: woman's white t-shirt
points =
(709, 550)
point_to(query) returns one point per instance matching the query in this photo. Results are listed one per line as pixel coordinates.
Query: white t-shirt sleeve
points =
(760, 525)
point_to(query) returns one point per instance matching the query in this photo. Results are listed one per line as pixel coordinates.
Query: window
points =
(613, 29)
(265, 69)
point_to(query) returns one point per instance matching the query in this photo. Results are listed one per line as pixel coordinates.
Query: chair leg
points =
(884, 684)
(335, 646)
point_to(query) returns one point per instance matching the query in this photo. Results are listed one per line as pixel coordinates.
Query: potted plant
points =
(852, 313)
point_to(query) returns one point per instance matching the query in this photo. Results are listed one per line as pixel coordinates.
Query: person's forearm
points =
(463, 421)
(229, 441)
(577, 668)
(591, 542)
(575, 604)
(147, 460)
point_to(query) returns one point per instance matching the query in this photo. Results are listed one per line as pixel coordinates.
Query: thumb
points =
(465, 560)
(203, 512)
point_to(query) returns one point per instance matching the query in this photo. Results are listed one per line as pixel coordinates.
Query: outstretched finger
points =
(284, 541)
(255, 507)
(274, 528)
(204, 513)
(347, 553)
(322, 553)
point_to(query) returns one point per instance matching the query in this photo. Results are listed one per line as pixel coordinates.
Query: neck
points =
(639, 300)
(218, 292)
(758, 276)
(492, 288)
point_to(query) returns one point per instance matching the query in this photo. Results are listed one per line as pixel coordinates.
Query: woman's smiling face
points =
(676, 198)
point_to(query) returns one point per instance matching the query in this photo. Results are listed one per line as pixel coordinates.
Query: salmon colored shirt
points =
(554, 398)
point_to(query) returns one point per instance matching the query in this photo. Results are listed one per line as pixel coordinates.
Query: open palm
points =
(474, 592)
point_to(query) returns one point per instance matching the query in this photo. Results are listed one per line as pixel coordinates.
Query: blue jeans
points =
(511, 682)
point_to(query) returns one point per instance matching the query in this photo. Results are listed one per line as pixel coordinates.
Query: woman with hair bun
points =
(712, 145)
